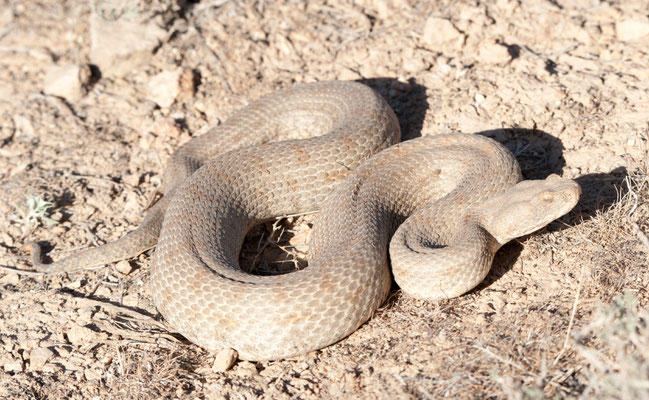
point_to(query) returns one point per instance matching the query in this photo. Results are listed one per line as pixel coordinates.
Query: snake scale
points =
(441, 206)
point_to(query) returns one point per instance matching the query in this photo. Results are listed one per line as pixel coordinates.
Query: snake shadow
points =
(539, 155)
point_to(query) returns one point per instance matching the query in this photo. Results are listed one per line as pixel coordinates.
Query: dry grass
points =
(616, 347)
(139, 372)
(605, 352)
(615, 343)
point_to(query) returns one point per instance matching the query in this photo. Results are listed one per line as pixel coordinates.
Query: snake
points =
(430, 212)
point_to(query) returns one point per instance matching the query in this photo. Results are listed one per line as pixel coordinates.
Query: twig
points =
(92, 236)
(296, 215)
(124, 310)
(572, 318)
(90, 177)
(30, 51)
(636, 229)
(497, 357)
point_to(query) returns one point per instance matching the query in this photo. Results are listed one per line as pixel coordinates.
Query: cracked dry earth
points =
(96, 95)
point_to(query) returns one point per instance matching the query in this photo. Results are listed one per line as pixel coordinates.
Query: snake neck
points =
(443, 257)
(458, 232)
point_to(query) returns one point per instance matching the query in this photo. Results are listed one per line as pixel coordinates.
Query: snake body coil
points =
(452, 200)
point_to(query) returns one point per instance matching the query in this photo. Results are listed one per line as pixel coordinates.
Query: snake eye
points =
(547, 197)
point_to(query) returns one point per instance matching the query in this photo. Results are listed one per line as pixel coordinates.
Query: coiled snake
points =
(460, 195)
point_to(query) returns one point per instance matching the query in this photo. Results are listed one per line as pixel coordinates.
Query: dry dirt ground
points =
(96, 95)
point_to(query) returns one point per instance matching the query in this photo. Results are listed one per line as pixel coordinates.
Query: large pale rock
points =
(13, 365)
(38, 357)
(490, 52)
(439, 31)
(164, 87)
(67, 81)
(119, 46)
(224, 360)
(632, 29)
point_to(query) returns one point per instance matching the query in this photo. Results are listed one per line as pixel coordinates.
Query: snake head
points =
(529, 206)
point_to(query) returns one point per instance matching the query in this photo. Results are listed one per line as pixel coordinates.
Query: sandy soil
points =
(563, 84)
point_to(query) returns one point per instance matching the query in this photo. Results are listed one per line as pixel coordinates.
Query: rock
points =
(146, 140)
(119, 46)
(479, 98)
(13, 366)
(38, 357)
(413, 61)
(104, 292)
(167, 127)
(27, 341)
(49, 368)
(631, 29)
(11, 278)
(84, 315)
(187, 83)
(92, 374)
(165, 87)
(67, 81)
(63, 351)
(413, 64)
(80, 335)
(131, 300)
(490, 52)
(245, 369)
(53, 305)
(383, 9)
(224, 360)
(24, 128)
(124, 267)
(440, 31)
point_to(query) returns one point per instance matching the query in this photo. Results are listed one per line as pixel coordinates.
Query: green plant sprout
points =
(37, 209)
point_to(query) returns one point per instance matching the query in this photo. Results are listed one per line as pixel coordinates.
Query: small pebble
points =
(38, 357)
(79, 335)
(14, 366)
(187, 82)
(11, 278)
(632, 29)
(164, 88)
(224, 360)
(439, 31)
(67, 81)
(123, 267)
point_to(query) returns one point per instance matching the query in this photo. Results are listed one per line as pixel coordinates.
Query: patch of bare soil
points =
(95, 96)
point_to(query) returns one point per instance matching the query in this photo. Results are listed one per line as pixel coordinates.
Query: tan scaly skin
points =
(459, 196)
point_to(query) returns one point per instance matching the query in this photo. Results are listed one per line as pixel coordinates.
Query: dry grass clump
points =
(616, 242)
(143, 373)
(613, 342)
(277, 247)
(616, 346)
